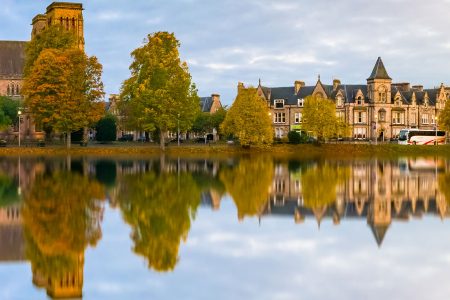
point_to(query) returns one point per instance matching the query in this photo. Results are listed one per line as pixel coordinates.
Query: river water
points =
(251, 227)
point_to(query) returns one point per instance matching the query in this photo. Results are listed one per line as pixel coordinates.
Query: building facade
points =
(378, 109)
(12, 60)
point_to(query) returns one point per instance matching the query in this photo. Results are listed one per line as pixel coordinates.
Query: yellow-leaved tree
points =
(320, 120)
(248, 119)
(444, 117)
(64, 91)
(159, 95)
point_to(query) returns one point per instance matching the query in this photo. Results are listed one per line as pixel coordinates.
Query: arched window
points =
(8, 90)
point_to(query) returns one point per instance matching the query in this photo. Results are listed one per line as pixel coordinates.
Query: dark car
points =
(126, 138)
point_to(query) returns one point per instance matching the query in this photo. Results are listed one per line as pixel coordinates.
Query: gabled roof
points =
(379, 71)
(379, 231)
(12, 58)
(206, 103)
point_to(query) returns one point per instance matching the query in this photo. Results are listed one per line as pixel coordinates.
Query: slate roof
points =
(12, 246)
(379, 71)
(206, 103)
(12, 58)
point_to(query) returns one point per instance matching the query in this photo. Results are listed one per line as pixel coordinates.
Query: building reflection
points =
(379, 191)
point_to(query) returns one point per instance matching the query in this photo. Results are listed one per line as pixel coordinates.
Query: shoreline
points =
(335, 151)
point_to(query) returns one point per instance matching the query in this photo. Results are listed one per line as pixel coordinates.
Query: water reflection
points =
(52, 210)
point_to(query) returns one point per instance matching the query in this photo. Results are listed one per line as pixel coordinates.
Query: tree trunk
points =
(85, 135)
(162, 140)
(69, 141)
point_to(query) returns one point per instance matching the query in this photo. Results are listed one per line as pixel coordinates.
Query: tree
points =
(53, 37)
(294, 137)
(8, 111)
(248, 119)
(250, 192)
(159, 94)
(106, 129)
(444, 117)
(205, 122)
(319, 118)
(159, 207)
(64, 90)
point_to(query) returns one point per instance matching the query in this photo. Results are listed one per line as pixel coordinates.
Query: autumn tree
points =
(248, 119)
(64, 90)
(319, 118)
(159, 95)
(248, 183)
(53, 37)
(444, 117)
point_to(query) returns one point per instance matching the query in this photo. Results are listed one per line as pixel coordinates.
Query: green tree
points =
(64, 90)
(8, 111)
(159, 208)
(319, 118)
(248, 119)
(53, 37)
(294, 137)
(444, 117)
(248, 184)
(106, 129)
(159, 94)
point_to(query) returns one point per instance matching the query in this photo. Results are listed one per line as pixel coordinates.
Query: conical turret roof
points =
(379, 71)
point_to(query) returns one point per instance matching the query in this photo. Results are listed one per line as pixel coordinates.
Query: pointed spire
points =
(379, 71)
(259, 82)
(379, 231)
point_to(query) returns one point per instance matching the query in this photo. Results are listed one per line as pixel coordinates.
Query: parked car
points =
(126, 138)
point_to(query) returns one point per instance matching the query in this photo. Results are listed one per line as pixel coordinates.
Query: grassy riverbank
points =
(326, 150)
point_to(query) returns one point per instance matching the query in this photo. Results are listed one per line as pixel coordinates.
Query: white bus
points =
(421, 137)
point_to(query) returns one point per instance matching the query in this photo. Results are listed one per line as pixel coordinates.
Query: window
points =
(300, 102)
(339, 101)
(340, 115)
(359, 133)
(279, 103)
(360, 117)
(382, 116)
(279, 132)
(425, 119)
(279, 117)
(359, 101)
(397, 118)
(298, 118)
(433, 120)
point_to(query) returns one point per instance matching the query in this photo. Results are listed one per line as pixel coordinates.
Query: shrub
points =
(294, 137)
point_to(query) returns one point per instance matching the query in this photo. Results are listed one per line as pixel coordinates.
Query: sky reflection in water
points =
(237, 228)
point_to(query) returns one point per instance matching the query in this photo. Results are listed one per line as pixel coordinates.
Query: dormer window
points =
(339, 101)
(359, 100)
(279, 103)
(300, 102)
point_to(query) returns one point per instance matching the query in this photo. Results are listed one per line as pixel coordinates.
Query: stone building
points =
(210, 104)
(377, 109)
(12, 59)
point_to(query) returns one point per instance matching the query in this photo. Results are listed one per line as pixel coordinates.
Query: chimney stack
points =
(417, 88)
(336, 83)
(298, 85)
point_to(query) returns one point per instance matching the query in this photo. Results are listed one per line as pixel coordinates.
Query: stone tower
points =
(379, 84)
(68, 15)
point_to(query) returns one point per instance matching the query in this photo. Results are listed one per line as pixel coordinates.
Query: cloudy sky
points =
(278, 41)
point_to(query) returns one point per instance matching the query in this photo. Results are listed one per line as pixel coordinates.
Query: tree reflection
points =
(444, 185)
(248, 184)
(159, 208)
(61, 215)
(319, 183)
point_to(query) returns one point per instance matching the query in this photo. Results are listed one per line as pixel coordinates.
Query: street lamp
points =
(435, 129)
(178, 130)
(19, 113)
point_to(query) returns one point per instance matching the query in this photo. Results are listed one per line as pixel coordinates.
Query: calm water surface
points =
(234, 228)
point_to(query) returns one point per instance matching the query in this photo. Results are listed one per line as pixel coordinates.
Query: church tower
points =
(379, 84)
(68, 15)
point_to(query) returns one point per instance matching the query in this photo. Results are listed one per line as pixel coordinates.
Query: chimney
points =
(298, 85)
(215, 103)
(240, 86)
(336, 83)
(418, 88)
(402, 86)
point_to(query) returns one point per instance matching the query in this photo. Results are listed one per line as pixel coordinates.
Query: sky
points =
(229, 41)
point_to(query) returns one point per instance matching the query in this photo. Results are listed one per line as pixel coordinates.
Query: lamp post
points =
(435, 129)
(178, 130)
(19, 113)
